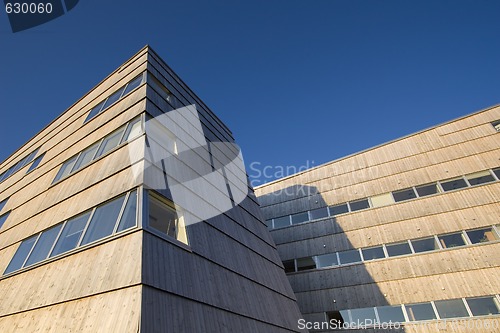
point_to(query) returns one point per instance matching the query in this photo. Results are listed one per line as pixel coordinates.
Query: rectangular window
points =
(497, 172)
(95, 111)
(103, 221)
(43, 245)
(35, 163)
(282, 221)
(133, 84)
(71, 234)
(85, 157)
(373, 253)
(451, 308)
(129, 216)
(359, 204)
(399, 249)
(134, 129)
(3, 218)
(300, 217)
(65, 169)
(453, 184)
(479, 178)
(338, 317)
(22, 252)
(319, 213)
(289, 266)
(362, 315)
(350, 256)
(305, 263)
(425, 244)
(403, 195)
(482, 235)
(428, 189)
(3, 203)
(163, 217)
(392, 314)
(327, 260)
(110, 142)
(113, 98)
(339, 209)
(420, 311)
(451, 240)
(483, 306)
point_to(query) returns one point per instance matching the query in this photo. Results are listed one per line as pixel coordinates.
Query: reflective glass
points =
(305, 263)
(35, 163)
(110, 142)
(21, 254)
(482, 235)
(347, 257)
(65, 169)
(483, 306)
(282, 221)
(403, 195)
(398, 249)
(289, 266)
(129, 216)
(360, 315)
(3, 218)
(390, 314)
(428, 189)
(300, 217)
(43, 245)
(420, 311)
(497, 172)
(452, 308)
(424, 245)
(103, 221)
(133, 84)
(452, 240)
(358, 205)
(373, 253)
(112, 99)
(133, 130)
(327, 260)
(85, 157)
(453, 184)
(319, 213)
(71, 234)
(338, 209)
(95, 111)
(2, 204)
(479, 178)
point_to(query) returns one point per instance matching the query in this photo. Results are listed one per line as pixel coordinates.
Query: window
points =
(338, 317)
(479, 178)
(19, 165)
(163, 217)
(451, 240)
(427, 189)
(133, 84)
(113, 98)
(425, 244)
(451, 308)
(327, 260)
(319, 213)
(3, 203)
(373, 253)
(338, 209)
(133, 130)
(382, 200)
(35, 163)
(350, 256)
(483, 306)
(20, 257)
(305, 263)
(85, 157)
(110, 142)
(3, 218)
(482, 235)
(358, 205)
(403, 195)
(362, 315)
(65, 169)
(399, 249)
(103, 220)
(300, 217)
(420, 311)
(453, 184)
(129, 216)
(282, 221)
(390, 314)
(497, 172)
(71, 234)
(289, 266)
(496, 125)
(43, 245)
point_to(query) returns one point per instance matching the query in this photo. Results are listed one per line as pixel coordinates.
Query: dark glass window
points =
(319, 213)
(95, 111)
(420, 311)
(451, 308)
(338, 317)
(129, 216)
(350, 256)
(479, 178)
(399, 249)
(3, 203)
(3, 218)
(362, 315)
(373, 253)
(289, 266)
(282, 221)
(65, 169)
(497, 172)
(43, 245)
(483, 306)
(85, 157)
(113, 98)
(300, 217)
(21, 254)
(453, 184)
(327, 260)
(390, 314)
(452, 240)
(35, 163)
(427, 189)
(358, 205)
(425, 244)
(305, 263)
(482, 235)
(403, 195)
(71, 234)
(339, 209)
(103, 221)
(133, 84)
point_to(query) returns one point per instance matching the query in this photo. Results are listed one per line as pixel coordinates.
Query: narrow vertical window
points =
(21, 254)
(71, 234)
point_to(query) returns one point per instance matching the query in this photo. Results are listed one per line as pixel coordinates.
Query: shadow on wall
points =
(334, 288)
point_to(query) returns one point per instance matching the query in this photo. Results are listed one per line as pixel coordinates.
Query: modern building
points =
(131, 212)
(406, 232)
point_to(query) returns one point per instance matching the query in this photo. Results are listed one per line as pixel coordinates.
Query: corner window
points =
(420, 311)
(451, 240)
(451, 308)
(165, 218)
(482, 235)
(453, 184)
(403, 195)
(483, 306)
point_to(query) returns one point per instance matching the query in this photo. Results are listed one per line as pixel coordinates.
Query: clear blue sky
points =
(296, 81)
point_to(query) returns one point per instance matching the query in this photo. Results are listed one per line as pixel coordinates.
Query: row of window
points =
(109, 218)
(473, 179)
(22, 163)
(100, 148)
(412, 246)
(434, 310)
(116, 96)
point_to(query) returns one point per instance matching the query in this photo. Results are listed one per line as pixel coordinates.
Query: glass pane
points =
(71, 234)
(398, 249)
(133, 130)
(481, 235)
(3, 176)
(95, 111)
(21, 254)
(350, 256)
(305, 263)
(373, 253)
(453, 184)
(319, 213)
(420, 311)
(337, 317)
(327, 260)
(300, 217)
(362, 315)
(43, 246)
(85, 157)
(480, 178)
(35, 163)
(403, 195)
(424, 245)
(110, 142)
(2, 204)
(103, 221)
(451, 308)
(453, 240)
(358, 205)
(497, 172)
(282, 221)
(128, 219)
(113, 98)
(162, 217)
(483, 306)
(338, 209)
(390, 314)
(3, 218)
(133, 84)
(427, 189)
(289, 266)
(65, 169)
